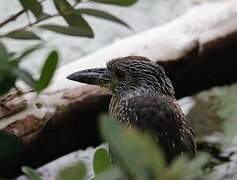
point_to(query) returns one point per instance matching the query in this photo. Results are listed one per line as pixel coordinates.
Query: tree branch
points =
(11, 18)
(14, 17)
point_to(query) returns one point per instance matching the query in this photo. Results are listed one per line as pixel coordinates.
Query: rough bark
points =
(197, 55)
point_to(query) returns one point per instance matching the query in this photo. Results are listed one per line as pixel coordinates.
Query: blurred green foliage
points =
(102, 161)
(75, 171)
(136, 156)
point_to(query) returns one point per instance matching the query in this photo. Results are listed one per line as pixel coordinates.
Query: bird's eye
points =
(119, 74)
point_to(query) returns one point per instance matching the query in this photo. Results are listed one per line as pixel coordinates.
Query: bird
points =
(143, 97)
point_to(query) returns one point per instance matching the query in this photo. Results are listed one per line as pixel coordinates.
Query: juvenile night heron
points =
(143, 97)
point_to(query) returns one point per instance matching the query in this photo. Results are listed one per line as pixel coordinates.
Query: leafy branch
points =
(77, 25)
(10, 70)
(15, 16)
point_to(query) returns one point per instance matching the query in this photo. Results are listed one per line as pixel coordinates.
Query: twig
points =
(30, 25)
(12, 18)
(38, 21)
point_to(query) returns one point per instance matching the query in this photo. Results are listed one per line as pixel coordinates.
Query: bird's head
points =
(128, 75)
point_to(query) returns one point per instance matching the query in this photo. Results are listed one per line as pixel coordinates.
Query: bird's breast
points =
(119, 109)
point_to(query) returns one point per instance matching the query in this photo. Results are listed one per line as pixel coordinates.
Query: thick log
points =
(72, 126)
(198, 71)
(198, 51)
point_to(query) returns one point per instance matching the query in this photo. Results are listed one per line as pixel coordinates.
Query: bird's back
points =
(161, 116)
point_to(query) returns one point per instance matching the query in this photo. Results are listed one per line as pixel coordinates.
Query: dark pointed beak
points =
(96, 76)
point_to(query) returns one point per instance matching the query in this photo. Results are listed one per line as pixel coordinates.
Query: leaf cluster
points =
(71, 13)
(77, 25)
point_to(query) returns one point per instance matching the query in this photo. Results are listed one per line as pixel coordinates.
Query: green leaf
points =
(114, 173)
(5, 65)
(9, 71)
(101, 14)
(9, 144)
(135, 152)
(74, 172)
(74, 20)
(72, 31)
(195, 165)
(184, 168)
(34, 6)
(7, 81)
(31, 173)
(62, 6)
(117, 2)
(102, 161)
(23, 35)
(4, 56)
(47, 72)
(176, 170)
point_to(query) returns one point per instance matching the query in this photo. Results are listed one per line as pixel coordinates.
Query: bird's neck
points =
(134, 92)
(143, 89)
(119, 104)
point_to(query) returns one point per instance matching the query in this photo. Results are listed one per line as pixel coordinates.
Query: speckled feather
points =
(145, 100)
(161, 116)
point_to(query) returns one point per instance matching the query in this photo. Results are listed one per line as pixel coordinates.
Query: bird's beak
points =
(96, 76)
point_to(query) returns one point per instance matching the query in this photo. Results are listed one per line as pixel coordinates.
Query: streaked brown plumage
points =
(143, 97)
